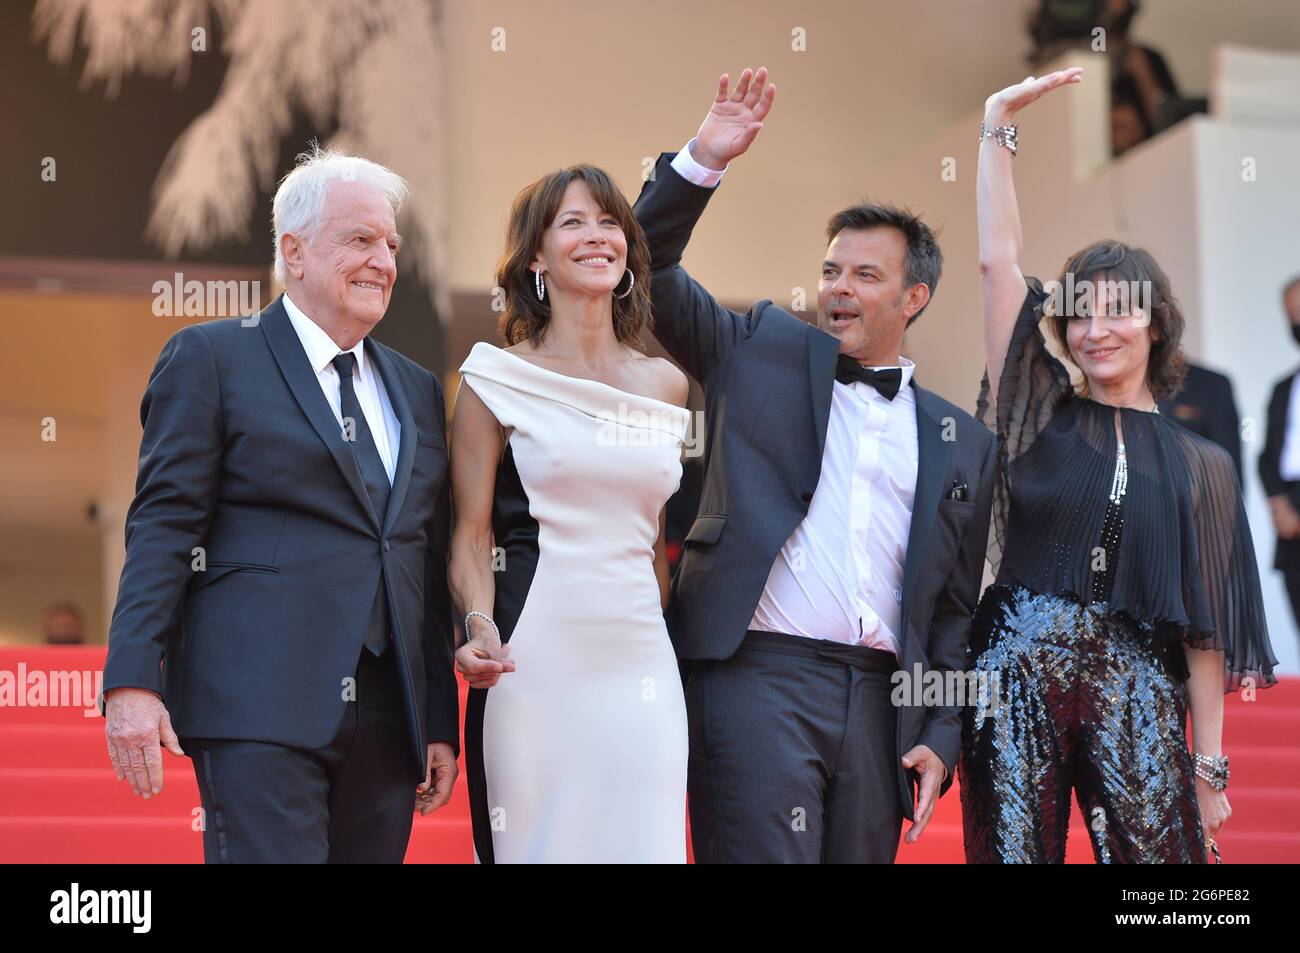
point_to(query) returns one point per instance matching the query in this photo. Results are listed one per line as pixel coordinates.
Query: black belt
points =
(856, 656)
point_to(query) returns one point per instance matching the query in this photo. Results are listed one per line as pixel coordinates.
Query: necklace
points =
(1119, 482)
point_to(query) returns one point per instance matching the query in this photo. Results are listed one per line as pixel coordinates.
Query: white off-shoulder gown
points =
(580, 754)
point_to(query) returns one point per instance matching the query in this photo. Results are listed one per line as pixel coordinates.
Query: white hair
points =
(300, 198)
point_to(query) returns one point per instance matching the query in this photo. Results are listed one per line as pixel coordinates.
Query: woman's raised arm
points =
(1002, 285)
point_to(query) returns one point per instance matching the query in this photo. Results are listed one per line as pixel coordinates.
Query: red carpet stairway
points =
(60, 803)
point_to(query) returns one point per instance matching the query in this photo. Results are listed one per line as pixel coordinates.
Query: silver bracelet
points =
(1005, 136)
(485, 617)
(1212, 770)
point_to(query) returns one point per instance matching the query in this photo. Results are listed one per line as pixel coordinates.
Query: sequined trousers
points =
(1077, 699)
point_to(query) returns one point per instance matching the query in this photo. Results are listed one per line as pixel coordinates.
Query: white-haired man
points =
(283, 616)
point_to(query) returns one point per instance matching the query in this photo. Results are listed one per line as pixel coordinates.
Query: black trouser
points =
(351, 801)
(793, 754)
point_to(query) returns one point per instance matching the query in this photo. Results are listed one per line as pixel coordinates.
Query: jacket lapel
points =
(931, 464)
(406, 451)
(823, 351)
(289, 354)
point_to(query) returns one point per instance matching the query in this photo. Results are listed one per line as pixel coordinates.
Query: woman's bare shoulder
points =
(670, 384)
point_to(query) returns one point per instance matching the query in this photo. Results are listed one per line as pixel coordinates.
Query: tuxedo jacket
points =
(244, 463)
(767, 378)
(1206, 407)
(1287, 555)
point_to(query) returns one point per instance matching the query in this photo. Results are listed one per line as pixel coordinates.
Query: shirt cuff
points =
(690, 170)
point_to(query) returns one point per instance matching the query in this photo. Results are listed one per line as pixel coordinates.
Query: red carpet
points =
(60, 803)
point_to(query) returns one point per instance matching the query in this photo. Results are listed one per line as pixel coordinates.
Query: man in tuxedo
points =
(1279, 463)
(286, 554)
(1206, 407)
(840, 539)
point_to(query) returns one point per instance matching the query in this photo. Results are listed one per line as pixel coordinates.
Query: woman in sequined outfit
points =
(1126, 593)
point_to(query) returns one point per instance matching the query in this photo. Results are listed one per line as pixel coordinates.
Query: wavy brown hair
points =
(1110, 260)
(532, 213)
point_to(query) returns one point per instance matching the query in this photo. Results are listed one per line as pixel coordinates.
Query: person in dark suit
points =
(1206, 407)
(840, 540)
(286, 554)
(1279, 463)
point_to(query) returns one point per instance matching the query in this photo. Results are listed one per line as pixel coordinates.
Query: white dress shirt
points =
(371, 395)
(684, 164)
(840, 574)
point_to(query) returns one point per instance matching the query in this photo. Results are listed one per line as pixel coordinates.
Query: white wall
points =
(1250, 245)
(616, 83)
(1226, 244)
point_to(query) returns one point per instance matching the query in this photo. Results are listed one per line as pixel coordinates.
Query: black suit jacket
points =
(1206, 407)
(242, 456)
(767, 379)
(1287, 555)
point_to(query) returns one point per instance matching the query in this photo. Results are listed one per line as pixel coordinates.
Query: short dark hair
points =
(1110, 260)
(923, 260)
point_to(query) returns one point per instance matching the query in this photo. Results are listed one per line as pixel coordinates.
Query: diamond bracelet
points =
(1214, 771)
(485, 617)
(1005, 136)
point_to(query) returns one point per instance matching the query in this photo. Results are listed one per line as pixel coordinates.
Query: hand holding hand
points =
(483, 659)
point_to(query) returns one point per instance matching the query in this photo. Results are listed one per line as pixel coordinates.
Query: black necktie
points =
(886, 380)
(373, 474)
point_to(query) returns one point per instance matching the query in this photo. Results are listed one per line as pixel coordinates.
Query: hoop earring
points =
(631, 280)
(541, 286)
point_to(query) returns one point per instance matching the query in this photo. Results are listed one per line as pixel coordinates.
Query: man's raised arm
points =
(689, 322)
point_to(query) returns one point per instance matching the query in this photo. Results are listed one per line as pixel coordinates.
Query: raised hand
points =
(734, 119)
(1005, 103)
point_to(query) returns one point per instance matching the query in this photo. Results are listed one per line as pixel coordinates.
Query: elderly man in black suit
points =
(286, 554)
(841, 533)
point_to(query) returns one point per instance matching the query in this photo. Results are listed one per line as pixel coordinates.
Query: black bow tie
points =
(886, 380)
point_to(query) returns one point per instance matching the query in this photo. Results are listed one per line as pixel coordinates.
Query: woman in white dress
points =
(565, 447)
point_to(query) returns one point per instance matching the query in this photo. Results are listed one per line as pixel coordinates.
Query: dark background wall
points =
(108, 154)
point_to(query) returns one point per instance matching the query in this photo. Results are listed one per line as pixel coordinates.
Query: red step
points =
(170, 840)
(79, 792)
(59, 801)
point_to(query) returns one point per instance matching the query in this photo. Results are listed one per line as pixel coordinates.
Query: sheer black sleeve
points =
(1233, 604)
(1033, 384)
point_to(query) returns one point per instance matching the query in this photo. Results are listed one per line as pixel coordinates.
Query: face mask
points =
(1295, 332)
